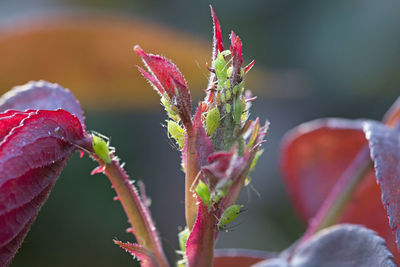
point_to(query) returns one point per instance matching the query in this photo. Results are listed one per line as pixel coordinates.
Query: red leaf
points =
(239, 257)
(237, 58)
(166, 77)
(314, 156)
(218, 45)
(7, 251)
(163, 70)
(153, 81)
(226, 165)
(32, 155)
(249, 66)
(143, 254)
(219, 164)
(41, 95)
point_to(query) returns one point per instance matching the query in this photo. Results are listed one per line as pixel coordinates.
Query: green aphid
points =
(241, 86)
(237, 111)
(169, 108)
(235, 89)
(219, 194)
(229, 71)
(203, 192)
(242, 72)
(220, 67)
(212, 120)
(101, 149)
(229, 215)
(228, 95)
(183, 237)
(177, 132)
(223, 97)
(228, 108)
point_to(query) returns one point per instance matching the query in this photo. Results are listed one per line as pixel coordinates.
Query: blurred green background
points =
(313, 59)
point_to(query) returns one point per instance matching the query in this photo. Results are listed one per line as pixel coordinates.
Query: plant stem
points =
(136, 211)
(340, 195)
(201, 242)
(192, 169)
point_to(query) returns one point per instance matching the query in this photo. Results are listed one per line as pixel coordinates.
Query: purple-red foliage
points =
(315, 155)
(34, 146)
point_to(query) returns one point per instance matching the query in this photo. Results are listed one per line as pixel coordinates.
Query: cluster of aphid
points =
(227, 107)
(224, 95)
(225, 123)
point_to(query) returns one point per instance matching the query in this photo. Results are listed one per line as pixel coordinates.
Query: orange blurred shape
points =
(92, 56)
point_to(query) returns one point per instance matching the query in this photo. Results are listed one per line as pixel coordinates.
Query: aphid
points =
(176, 132)
(237, 110)
(221, 191)
(203, 192)
(223, 97)
(229, 71)
(235, 89)
(221, 70)
(212, 120)
(228, 95)
(228, 108)
(169, 108)
(219, 194)
(101, 149)
(183, 237)
(229, 215)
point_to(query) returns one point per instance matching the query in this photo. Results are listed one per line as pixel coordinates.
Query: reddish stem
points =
(136, 211)
(192, 169)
